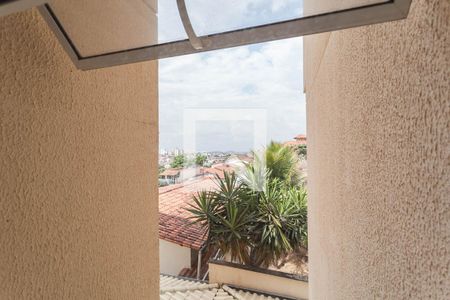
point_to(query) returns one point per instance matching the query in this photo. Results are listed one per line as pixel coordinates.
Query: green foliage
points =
(281, 223)
(255, 174)
(282, 163)
(276, 162)
(184, 161)
(161, 169)
(200, 159)
(254, 226)
(260, 216)
(179, 161)
(301, 151)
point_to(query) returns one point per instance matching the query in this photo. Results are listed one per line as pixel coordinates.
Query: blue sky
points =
(265, 76)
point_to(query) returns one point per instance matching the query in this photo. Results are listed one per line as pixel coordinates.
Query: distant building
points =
(298, 140)
(239, 160)
(218, 170)
(189, 173)
(171, 175)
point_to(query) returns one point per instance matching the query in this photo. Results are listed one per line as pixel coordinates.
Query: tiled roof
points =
(295, 143)
(170, 172)
(174, 223)
(245, 158)
(219, 170)
(298, 140)
(176, 288)
(300, 137)
(171, 283)
(241, 294)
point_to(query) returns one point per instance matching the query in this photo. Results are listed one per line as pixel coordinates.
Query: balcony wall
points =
(262, 280)
(378, 162)
(173, 258)
(78, 172)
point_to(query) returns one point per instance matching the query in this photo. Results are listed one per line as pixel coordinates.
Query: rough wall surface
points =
(378, 107)
(78, 169)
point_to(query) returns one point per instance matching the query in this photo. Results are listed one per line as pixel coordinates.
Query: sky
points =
(266, 77)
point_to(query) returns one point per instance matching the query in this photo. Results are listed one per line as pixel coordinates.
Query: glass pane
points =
(98, 27)
(315, 7)
(170, 27)
(209, 17)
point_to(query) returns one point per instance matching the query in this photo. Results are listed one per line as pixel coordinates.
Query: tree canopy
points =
(179, 161)
(184, 161)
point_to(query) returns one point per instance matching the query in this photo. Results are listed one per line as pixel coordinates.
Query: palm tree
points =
(276, 162)
(260, 216)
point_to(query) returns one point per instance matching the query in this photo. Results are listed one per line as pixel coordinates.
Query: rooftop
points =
(174, 223)
(299, 139)
(218, 170)
(170, 172)
(174, 288)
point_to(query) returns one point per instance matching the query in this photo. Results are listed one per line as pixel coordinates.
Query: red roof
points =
(174, 223)
(170, 172)
(294, 143)
(218, 170)
(299, 139)
(245, 158)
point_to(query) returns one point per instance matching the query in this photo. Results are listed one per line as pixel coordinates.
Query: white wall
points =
(173, 258)
(251, 279)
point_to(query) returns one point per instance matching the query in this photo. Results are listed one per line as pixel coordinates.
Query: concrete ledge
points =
(268, 281)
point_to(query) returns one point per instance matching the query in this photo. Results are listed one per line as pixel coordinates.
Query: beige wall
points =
(173, 258)
(276, 285)
(378, 107)
(78, 169)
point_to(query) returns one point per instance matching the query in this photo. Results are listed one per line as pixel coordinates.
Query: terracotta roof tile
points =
(219, 170)
(294, 143)
(174, 287)
(170, 172)
(174, 223)
(300, 137)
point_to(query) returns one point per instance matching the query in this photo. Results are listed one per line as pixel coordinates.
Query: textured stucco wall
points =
(78, 170)
(378, 107)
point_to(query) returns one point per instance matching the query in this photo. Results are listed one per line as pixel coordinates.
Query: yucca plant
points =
(281, 225)
(253, 227)
(282, 162)
(228, 214)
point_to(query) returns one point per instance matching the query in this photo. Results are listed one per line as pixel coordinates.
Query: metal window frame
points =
(390, 10)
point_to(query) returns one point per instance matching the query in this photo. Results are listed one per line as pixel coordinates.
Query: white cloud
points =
(265, 76)
(217, 16)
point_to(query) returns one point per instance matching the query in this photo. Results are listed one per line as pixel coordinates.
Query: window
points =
(99, 34)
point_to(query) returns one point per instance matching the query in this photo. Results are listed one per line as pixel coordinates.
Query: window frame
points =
(348, 18)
